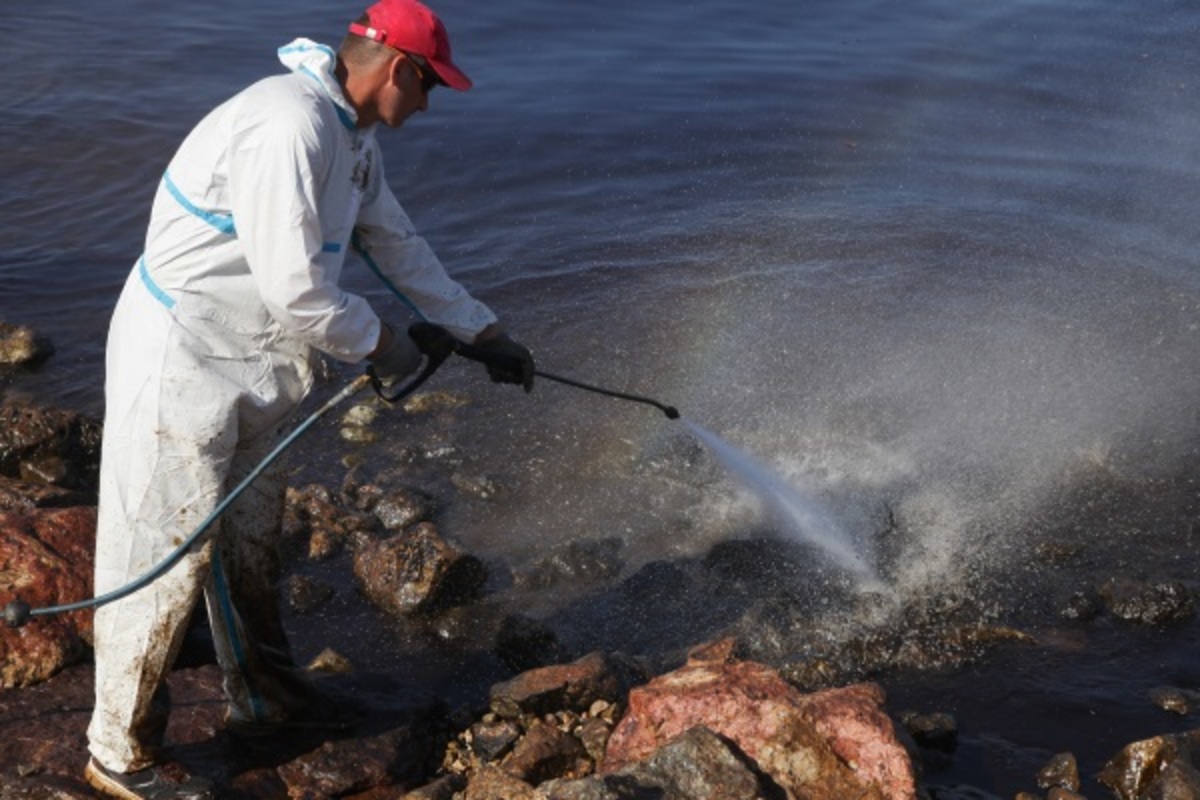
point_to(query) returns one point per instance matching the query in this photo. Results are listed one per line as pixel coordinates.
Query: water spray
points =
(434, 342)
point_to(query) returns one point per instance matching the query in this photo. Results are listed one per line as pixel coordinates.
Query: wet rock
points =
(331, 661)
(546, 752)
(394, 758)
(960, 792)
(589, 560)
(35, 786)
(314, 518)
(1155, 604)
(937, 731)
(852, 720)
(306, 594)
(1171, 698)
(480, 486)
(46, 558)
(698, 765)
(593, 733)
(1062, 771)
(1177, 781)
(802, 742)
(589, 788)
(426, 402)
(491, 739)
(361, 415)
(813, 674)
(524, 643)
(493, 783)
(38, 441)
(19, 495)
(400, 508)
(1059, 793)
(361, 496)
(417, 571)
(1083, 606)
(1139, 769)
(21, 347)
(575, 686)
(357, 421)
(444, 788)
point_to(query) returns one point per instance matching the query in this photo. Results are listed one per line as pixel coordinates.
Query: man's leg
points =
(261, 679)
(144, 515)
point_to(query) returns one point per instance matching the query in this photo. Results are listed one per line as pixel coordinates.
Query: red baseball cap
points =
(412, 27)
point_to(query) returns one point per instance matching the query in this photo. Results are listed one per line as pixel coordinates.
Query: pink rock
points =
(852, 720)
(836, 743)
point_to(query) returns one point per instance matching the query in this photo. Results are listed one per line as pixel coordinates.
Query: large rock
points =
(46, 445)
(835, 743)
(1156, 768)
(46, 558)
(1162, 603)
(417, 571)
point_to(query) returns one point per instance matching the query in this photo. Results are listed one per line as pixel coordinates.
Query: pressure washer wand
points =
(437, 343)
(670, 411)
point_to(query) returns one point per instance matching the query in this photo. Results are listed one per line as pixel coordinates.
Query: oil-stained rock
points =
(587, 560)
(1140, 767)
(1150, 604)
(1061, 771)
(546, 752)
(19, 495)
(400, 508)
(336, 768)
(20, 346)
(34, 437)
(493, 783)
(417, 571)
(575, 686)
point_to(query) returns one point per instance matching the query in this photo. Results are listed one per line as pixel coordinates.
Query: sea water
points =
(796, 509)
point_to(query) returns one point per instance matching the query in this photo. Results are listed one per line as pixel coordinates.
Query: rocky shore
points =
(713, 721)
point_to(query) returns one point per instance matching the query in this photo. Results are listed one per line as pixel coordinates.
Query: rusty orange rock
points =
(46, 558)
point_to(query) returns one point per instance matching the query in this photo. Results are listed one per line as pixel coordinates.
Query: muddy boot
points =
(162, 782)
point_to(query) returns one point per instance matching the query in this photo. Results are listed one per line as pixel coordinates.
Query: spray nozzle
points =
(17, 613)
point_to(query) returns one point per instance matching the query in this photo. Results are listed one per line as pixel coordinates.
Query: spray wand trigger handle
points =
(435, 342)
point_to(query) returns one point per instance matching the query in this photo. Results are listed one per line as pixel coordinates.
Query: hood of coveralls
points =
(318, 62)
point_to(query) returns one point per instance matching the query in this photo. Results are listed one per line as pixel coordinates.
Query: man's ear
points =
(394, 68)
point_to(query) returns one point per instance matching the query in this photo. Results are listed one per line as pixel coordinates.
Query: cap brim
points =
(451, 75)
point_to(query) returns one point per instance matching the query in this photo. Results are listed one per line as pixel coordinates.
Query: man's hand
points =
(394, 357)
(508, 361)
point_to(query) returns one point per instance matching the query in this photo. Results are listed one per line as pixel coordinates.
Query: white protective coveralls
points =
(208, 354)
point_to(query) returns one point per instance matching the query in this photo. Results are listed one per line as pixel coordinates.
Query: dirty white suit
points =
(208, 354)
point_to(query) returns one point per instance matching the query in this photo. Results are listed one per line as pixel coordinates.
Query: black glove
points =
(508, 362)
(396, 361)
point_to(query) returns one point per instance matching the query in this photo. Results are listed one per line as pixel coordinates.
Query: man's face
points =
(407, 91)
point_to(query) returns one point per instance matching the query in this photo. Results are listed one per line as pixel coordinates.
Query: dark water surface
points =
(936, 260)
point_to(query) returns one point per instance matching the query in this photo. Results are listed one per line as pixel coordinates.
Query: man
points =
(209, 353)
